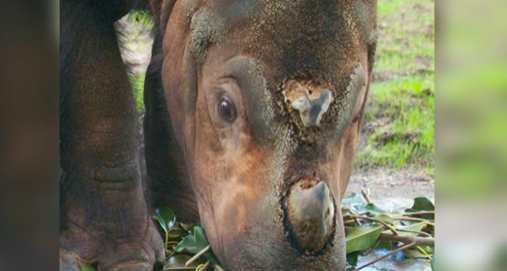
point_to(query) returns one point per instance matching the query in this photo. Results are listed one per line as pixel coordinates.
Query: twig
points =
(203, 266)
(423, 241)
(348, 222)
(387, 255)
(418, 232)
(419, 213)
(424, 252)
(166, 240)
(196, 256)
(219, 268)
(414, 219)
(378, 221)
(356, 221)
(365, 195)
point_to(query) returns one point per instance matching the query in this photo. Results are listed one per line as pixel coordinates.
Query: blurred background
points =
(29, 135)
(471, 135)
(467, 74)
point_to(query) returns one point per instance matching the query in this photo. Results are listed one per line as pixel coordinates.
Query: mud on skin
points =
(263, 173)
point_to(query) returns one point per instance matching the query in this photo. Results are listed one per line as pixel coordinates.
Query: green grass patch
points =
(137, 83)
(399, 121)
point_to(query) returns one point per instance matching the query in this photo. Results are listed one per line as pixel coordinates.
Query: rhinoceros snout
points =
(310, 214)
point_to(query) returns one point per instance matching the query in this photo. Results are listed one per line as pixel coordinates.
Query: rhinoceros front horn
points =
(310, 214)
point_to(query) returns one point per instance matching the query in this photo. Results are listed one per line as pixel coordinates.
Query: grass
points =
(399, 123)
(137, 83)
(145, 20)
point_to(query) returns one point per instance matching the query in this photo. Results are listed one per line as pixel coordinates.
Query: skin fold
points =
(253, 109)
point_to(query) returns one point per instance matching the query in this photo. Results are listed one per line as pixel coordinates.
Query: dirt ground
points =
(403, 185)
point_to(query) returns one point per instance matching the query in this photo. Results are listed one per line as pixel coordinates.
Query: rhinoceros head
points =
(266, 98)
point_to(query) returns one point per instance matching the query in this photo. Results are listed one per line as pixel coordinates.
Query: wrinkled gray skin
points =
(265, 183)
(253, 109)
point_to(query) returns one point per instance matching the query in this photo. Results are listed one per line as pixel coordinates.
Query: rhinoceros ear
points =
(189, 94)
(366, 15)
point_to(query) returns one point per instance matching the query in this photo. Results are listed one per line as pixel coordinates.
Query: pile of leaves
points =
(367, 228)
(186, 245)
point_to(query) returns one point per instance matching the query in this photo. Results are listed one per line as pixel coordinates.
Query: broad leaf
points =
(384, 244)
(200, 238)
(413, 227)
(422, 204)
(86, 267)
(414, 253)
(177, 262)
(202, 243)
(362, 237)
(188, 244)
(165, 217)
(188, 227)
(194, 243)
(374, 209)
(385, 218)
(352, 258)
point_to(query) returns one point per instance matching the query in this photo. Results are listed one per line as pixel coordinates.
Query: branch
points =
(421, 241)
(196, 256)
(365, 195)
(419, 213)
(391, 228)
(415, 219)
(387, 255)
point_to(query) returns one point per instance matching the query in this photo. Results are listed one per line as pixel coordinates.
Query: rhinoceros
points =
(253, 110)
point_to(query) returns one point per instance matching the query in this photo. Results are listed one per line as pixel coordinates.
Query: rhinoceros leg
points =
(164, 160)
(104, 215)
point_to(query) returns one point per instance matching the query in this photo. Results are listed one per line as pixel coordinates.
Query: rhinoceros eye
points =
(227, 110)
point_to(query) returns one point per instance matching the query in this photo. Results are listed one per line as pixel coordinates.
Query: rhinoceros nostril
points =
(310, 214)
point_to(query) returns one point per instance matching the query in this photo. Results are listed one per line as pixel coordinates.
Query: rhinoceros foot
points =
(88, 246)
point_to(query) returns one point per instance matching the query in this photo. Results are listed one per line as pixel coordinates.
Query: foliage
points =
(137, 83)
(368, 227)
(186, 245)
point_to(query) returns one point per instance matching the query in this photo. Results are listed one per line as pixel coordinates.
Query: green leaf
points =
(413, 253)
(374, 209)
(165, 217)
(428, 249)
(362, 237)
(193, 243)
(385, 218)
(202, 242)
(188, 227)
(187, 244)
(413, 227)
(86, 267)
(352, 258)
(384, 244)
(177, 262)
(422, 204)
(200, 238)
